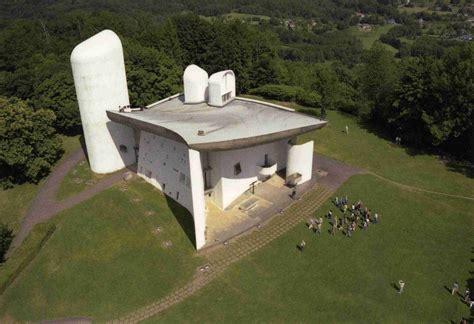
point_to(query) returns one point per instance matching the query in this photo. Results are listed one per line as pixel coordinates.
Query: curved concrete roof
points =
(240, 123)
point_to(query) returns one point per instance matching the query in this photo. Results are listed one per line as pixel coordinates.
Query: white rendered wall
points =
(195, 82)
(99, 77)
(227, 186)
(176, 170)
(300, 159)
(199, 204)
(221, 83)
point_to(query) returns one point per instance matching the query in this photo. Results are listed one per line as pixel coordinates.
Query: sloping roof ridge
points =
(265, 103)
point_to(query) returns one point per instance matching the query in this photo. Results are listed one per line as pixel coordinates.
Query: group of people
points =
(466, 296)
(352, 216)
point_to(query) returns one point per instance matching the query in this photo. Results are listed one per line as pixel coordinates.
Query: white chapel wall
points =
(227, 185)
(300, 160)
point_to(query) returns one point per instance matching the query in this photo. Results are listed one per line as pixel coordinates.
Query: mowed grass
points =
(105, 260)
(15, 202)
(426, 241)
(371, 152)
(368, 38)
(78, 179)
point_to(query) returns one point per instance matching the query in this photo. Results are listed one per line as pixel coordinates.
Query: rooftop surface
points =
(241, 123)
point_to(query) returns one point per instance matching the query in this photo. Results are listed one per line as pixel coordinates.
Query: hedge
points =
(288, 93)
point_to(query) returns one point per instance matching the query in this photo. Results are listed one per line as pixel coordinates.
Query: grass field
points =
(104, 259)
(15, 201)
(370, 37)
(426, 241)
(78, 179)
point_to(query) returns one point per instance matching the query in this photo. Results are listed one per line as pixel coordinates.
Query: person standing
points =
(455, 288)
(302, 245)
(376, 218)
(347, 129)
(467, 296)
(330, 214)
(401, 284)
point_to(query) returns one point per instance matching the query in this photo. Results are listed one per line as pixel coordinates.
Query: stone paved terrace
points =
(273, 197)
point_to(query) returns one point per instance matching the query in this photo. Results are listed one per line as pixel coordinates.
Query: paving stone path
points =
(222, 257)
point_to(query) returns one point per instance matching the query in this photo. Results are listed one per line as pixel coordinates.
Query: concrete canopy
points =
(241, 123)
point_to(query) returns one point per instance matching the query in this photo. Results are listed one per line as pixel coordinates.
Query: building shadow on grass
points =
(184, 218)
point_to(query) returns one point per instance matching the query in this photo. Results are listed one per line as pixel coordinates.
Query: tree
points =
(6, 238)
(29, 144)
(436, 99)
(378, 78)
(58, 94)
(151, 74)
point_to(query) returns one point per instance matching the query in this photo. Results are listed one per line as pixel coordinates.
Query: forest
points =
(415, 83)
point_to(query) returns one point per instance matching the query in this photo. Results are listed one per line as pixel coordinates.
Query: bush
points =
(308, 98)
(288, 93)
(6, 237)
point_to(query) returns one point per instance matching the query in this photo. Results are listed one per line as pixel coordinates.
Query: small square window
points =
(237, 169)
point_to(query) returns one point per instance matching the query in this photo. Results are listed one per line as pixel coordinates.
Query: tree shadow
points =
(463, 167)
(470, 285)
(184, 218)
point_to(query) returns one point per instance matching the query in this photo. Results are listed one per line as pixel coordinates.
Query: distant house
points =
(365, 27)
(391, 21)
(290, 24)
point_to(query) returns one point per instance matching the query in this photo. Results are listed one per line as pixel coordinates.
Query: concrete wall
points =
(300, 159)
(99, 77)
(227, 185)
(176, 170)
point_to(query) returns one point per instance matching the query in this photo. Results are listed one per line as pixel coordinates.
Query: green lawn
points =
(369, 38)
(104, 259)
(14, 202)
(365, 149)
(78, 179)
(424, 240)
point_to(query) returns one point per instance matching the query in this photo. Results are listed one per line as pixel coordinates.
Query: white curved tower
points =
(221, 88)
(99, 77)
(195, 82)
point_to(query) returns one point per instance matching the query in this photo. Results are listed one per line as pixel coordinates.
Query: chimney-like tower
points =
(101, 84)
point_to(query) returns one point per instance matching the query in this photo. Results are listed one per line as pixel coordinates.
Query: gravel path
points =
(45, 204)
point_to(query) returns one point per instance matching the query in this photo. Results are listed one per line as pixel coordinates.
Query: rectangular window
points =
(177, 195)
(226, 97)
(182, 178)
(237, 169)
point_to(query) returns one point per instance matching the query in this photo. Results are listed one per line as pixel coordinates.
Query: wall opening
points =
(237, 169)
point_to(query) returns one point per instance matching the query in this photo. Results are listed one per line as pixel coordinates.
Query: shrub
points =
(288, 93)
(6, 237)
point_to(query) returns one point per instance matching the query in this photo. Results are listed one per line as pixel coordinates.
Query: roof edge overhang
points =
(211, 146)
